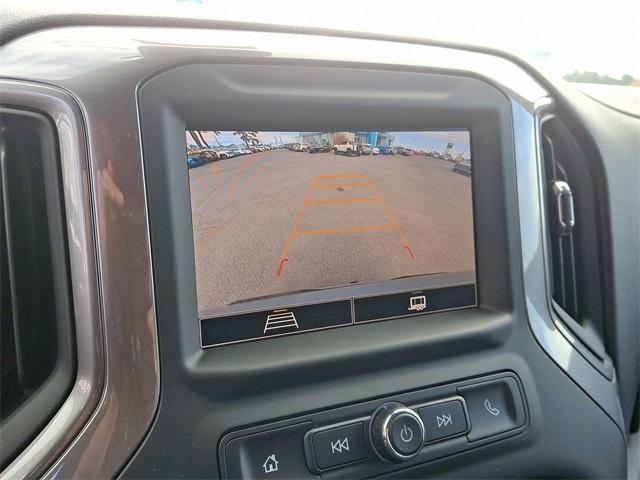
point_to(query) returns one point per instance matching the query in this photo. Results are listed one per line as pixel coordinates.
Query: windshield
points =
(594, 41)
(578, 40)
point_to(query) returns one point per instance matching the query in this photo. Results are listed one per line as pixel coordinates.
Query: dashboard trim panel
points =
(90, 378)
(535, 266)
(102, 68)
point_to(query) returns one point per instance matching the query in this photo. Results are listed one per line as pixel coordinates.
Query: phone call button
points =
(494, 407)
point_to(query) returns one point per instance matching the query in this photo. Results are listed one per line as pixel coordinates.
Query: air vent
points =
(572, 231)
(37, 367)
(561, 214)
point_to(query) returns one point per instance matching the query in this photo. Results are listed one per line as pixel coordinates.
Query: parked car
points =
(351, 149)
(300, 147)
(385, 150)
(463, 168)
(205, 154)
(448, 157)
(368, 149)
(365, 149)
(404, 151)
(435, 154)
(317, 148)
(223, 153)
(195, 161)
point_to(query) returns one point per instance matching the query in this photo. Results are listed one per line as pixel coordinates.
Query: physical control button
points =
(494, 407)
(406, 433)
(443, 420)
(397, 432)
(340, 445)
(271, 455)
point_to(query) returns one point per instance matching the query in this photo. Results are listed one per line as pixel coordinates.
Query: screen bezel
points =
(265, 94)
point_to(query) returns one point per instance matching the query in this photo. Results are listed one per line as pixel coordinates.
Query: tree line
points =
(249, 138)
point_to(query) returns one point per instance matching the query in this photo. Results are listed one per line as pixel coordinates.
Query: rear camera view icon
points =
(490, 408)
(280, 319)
(418, 303)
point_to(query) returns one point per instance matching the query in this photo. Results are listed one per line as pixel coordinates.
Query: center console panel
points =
(289, 406)
(382, 435)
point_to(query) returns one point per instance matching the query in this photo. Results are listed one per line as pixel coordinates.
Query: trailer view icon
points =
(280, 319)
(417, 303)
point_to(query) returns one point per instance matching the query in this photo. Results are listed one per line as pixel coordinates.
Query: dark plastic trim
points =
(365, 410)
(29, 418)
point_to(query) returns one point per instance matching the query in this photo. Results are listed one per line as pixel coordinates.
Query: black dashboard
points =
(435, 246)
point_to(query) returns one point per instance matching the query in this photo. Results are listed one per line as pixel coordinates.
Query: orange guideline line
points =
(341, 184)
(354, 228)
(284, 258)
(308, 201)
(389, 213)
(342, 175)
(292, 235)
(341, 201)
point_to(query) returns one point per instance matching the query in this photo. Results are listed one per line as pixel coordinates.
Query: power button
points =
(396, 432)
(406, 434)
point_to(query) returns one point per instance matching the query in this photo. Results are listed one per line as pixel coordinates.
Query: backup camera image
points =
(279, 213)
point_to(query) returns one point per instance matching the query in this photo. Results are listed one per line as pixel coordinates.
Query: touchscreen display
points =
(297, 231)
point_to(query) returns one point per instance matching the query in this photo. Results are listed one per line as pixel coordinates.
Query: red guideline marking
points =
(410, 252)
(282, 262)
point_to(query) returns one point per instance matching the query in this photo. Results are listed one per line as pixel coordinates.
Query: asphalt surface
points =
(278, 221)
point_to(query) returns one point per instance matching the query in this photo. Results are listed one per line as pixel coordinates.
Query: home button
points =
(272, 455)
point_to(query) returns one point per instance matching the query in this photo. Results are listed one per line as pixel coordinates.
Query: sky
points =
(435, 141)
(417, 140)
(557, 36)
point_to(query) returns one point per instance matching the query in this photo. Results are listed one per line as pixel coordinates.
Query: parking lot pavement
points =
(277, 221)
